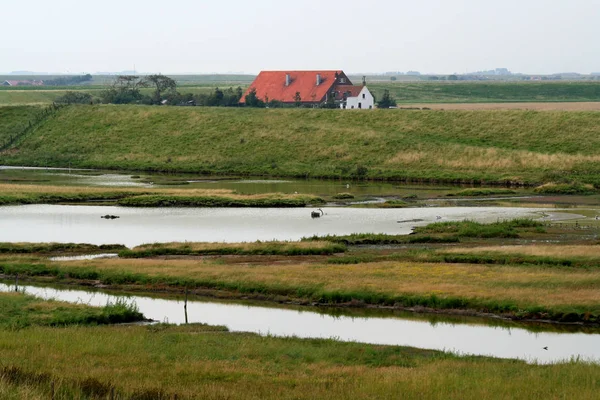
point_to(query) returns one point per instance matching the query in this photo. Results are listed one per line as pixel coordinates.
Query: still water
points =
(384, 328)
(82, 224)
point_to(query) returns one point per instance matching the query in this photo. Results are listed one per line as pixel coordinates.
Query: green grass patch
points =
(49, 248)
(356, 239)
(472, 229)
(257, 248)
(482, 192)
(19, 310)
(343, 196)
(216, 201)
(565, 188)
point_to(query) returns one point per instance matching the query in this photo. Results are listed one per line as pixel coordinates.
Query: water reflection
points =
(463, 338)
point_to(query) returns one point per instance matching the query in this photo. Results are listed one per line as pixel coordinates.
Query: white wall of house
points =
(364, 101)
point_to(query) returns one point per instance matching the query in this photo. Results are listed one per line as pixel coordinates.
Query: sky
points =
(224, 36)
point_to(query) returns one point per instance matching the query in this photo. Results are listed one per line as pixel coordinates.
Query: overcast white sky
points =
(199, 36)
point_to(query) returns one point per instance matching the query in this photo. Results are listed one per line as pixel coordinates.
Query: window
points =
(342, 80)
(364, 95)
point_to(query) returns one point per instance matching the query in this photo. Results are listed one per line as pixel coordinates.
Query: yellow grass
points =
(589, 251)
(465, 157)
(524, 285)
(16, 189)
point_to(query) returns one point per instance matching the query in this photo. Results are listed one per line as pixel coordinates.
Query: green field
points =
(404, 92)
(493, 92)
(453, 146)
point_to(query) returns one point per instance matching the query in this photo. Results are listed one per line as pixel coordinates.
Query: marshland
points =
(458, 248)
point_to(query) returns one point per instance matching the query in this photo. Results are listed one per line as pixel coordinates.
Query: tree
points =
(386, 101)
(161, 84)
(252, 100)
(124, 90)
(298, 99)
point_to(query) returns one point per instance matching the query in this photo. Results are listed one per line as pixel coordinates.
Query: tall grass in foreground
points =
(194, 361)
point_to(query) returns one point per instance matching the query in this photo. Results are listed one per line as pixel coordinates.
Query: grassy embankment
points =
(458, 146)
(533, 287)
(12, 194)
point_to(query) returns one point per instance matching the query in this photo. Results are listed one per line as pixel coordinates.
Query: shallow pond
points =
(82, 224)
(383, 328)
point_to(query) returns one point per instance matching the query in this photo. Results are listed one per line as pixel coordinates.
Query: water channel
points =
(82, 224)
(459, 335)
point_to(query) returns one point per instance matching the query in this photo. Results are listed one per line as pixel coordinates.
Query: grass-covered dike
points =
(495, 147)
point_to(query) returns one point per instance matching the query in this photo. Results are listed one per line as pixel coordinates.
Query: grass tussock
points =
(565, 188)
(481, 192)
(257, 248)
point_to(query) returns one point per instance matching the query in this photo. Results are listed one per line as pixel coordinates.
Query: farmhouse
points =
(312, 88)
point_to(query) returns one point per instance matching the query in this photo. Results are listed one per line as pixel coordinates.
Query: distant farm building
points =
(310, 88)
(23, 83)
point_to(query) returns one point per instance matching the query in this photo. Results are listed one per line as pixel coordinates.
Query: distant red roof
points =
(271, 85)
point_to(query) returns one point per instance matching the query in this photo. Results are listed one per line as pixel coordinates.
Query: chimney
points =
(318, 79)
(288, 79)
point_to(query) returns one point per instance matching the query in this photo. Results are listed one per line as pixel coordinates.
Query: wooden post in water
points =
(17, 282)
(185, 305)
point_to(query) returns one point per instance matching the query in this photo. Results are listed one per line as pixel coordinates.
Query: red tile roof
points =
(348, 90)
(272, 85)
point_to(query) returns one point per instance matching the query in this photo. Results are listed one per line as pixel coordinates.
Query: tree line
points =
(68, 80)
(127, 89)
